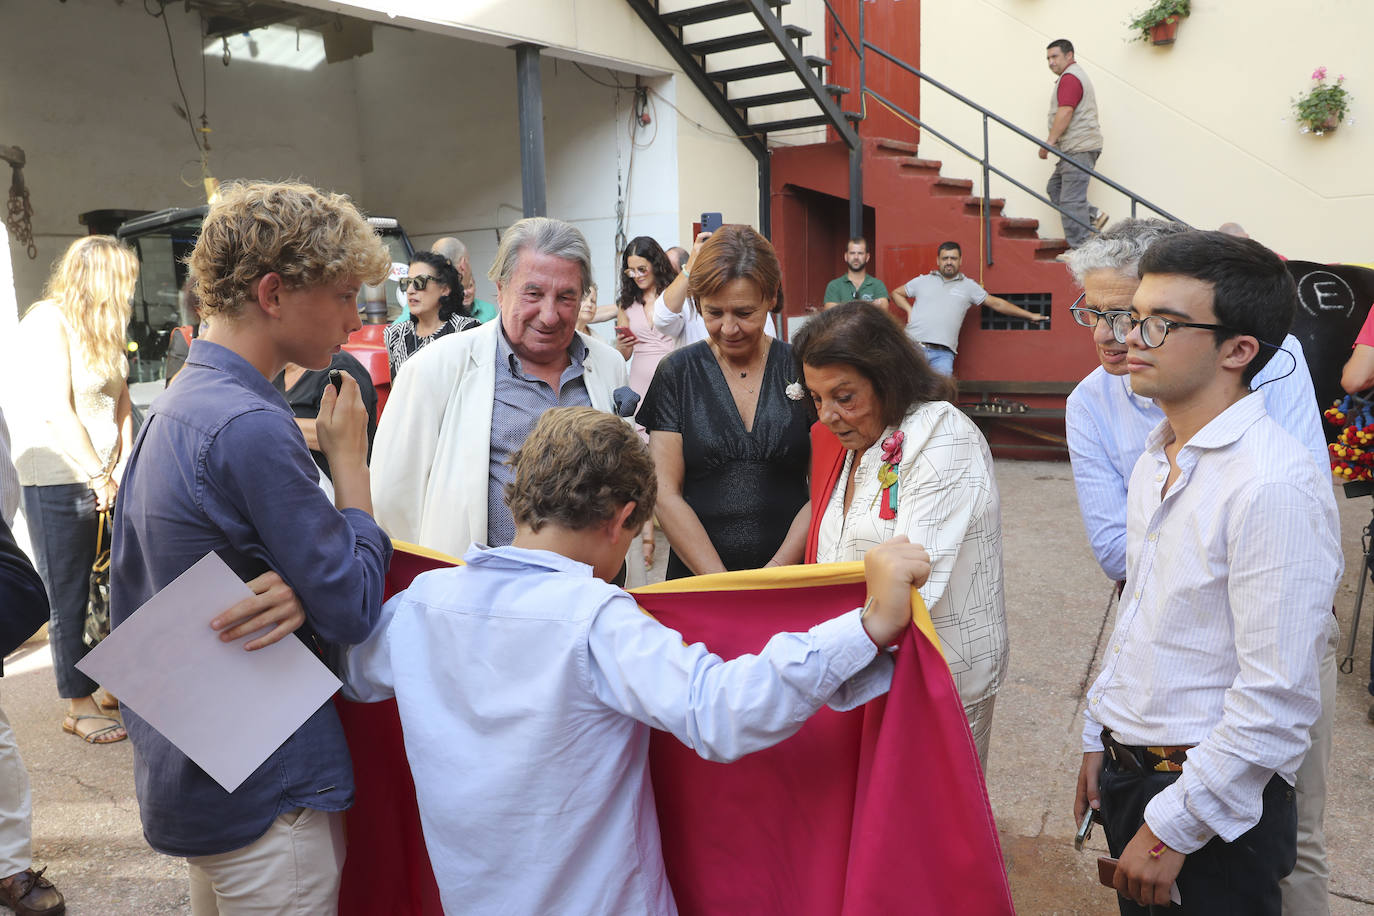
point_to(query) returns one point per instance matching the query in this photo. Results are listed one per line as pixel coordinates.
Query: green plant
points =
(1161, 11)
(1323, 106)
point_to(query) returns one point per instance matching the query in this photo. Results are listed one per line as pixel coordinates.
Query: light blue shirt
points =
(1107, 424)
(525, 686)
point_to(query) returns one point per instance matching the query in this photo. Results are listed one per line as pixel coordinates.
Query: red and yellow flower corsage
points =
(887, 475)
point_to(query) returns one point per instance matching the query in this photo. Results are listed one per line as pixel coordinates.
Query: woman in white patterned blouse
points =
(891, 455)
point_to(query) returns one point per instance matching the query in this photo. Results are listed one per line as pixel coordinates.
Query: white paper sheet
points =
(225, 708)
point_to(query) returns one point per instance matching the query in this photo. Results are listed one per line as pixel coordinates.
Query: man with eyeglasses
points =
(1211, 682)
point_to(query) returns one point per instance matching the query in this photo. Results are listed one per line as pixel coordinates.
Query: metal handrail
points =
(843, 31)
(864, 45)
(1135, 198)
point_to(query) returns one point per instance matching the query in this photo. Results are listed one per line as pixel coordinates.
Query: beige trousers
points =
(291, 870)
(1305, 889)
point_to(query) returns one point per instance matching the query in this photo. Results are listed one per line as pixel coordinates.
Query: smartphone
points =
(336, 379)
(710, 222)
(623, 331)
(1085, 830)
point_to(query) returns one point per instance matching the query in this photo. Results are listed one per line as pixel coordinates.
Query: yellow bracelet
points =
(1158, 850)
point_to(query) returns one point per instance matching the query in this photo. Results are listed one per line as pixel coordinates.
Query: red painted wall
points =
(914, 210)
(894, 26)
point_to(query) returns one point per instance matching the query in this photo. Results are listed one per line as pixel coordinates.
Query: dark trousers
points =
(1240, 878)
(62, 526)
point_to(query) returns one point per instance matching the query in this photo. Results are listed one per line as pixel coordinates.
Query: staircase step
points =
(768, 68)
(1018, 228)
(995, 205)
(790, 123)
(896, 147)
(772, 98)
(711, 11)
(921, 165)
(1049, 249)
(947, 187)
(742, 40)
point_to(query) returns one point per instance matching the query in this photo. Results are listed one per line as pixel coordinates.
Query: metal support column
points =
(856, 191)
(765, 196)
(531, 107)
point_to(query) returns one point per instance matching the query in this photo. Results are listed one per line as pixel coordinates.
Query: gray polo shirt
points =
(938, 306)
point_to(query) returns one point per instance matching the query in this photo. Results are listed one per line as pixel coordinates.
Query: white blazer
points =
(432, 452)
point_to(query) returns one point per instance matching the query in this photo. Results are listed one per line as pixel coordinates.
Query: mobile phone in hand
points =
(1085, 830)
(623, 331)
(710, 222)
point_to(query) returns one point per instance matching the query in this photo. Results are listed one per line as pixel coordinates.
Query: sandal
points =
(72, 726)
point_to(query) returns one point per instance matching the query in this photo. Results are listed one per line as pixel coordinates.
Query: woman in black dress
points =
(727, 426)
(434, 293)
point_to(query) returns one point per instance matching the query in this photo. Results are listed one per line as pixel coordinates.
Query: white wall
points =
(1202, 127)
(86, 90)
(440, 148)
(423, 129)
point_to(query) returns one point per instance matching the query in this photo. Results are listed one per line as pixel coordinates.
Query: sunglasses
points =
(420, 282)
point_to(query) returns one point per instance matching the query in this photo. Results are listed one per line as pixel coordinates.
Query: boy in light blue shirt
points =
(527, 684)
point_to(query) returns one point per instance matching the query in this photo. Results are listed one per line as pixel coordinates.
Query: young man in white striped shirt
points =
(1211, 679)
(1107, 425)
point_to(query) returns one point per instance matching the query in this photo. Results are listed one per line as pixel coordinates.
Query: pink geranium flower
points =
(1319, 73)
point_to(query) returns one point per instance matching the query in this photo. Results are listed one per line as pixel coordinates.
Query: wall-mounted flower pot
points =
(1165, 32)
(1331, 124)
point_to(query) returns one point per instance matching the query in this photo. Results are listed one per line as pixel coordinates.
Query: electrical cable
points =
(176, 72)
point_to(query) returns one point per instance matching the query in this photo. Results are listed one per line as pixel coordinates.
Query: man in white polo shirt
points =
(935, 304)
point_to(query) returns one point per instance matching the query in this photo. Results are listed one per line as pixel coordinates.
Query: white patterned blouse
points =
(947, 502)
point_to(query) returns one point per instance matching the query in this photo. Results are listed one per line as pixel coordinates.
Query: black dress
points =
(744, 485)
(304, 396)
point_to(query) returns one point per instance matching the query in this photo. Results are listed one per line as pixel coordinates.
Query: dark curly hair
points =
(447, 274)
(858, 335)
(641, 246)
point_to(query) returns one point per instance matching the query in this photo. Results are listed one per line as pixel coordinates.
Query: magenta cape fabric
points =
(878, 810)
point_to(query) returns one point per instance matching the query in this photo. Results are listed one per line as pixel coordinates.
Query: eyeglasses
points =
(633, 272)
(420, 282)
(1154, 328)
(1089, 317)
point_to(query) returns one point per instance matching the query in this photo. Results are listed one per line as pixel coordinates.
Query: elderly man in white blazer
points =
(462, 406)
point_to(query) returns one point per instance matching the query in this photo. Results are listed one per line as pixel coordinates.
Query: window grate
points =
(1031, 302)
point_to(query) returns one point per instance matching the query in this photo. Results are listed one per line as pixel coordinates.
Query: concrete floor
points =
(86, 827)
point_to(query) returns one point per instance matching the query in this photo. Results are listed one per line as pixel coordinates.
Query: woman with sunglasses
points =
(434, 293)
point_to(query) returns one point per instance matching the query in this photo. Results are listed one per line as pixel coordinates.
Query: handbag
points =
(97, 625)
(23, 599)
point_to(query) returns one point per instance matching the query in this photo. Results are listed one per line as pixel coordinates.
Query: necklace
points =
(744, 373)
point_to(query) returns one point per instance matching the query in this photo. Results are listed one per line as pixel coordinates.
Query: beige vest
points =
(1083, 135)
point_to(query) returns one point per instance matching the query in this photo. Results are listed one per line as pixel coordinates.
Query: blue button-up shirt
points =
(518, 402)
(220, 465)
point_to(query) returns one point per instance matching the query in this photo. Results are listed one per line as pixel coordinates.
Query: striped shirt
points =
(1107, 424)
(1224, 620)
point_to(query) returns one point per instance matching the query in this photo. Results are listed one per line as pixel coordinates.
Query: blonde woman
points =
(72, 435)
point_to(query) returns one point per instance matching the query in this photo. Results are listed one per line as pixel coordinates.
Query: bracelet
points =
(1158, 850)
(685, 273)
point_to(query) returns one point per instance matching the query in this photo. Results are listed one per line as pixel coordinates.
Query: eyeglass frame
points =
(633, 272)
(420, 282)
(1075, 309)
(1169, 325)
